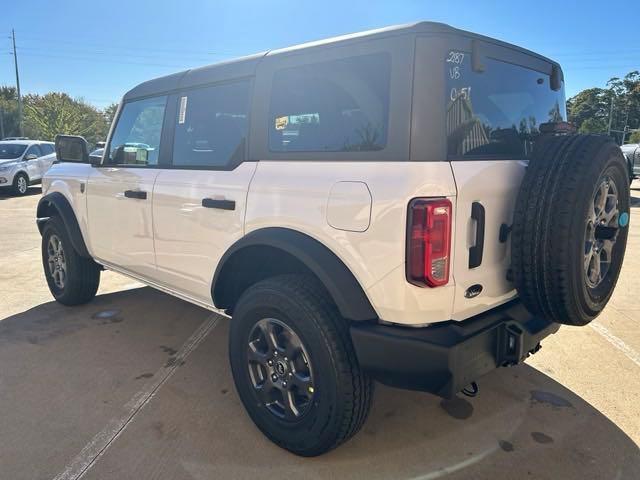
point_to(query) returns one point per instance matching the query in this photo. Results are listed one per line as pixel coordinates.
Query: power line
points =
(115, 54)
(50, 41)
(95, 60)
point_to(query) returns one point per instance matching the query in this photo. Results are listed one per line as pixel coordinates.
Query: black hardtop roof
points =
(246, 66)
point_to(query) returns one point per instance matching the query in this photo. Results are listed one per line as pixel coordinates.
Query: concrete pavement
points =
(136, 384)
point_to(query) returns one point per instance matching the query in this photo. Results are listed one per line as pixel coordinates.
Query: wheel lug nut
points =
(270, 363)
(274, 377)
(284, 384)
(275, 354)
(286, 359)
(290, 374)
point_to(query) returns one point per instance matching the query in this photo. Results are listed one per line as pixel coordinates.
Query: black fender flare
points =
(57, 203)
(340, 283)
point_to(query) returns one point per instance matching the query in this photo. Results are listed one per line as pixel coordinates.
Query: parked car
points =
(631, 152)
(96, 155)
(361, 207)
(23, 163)
(15, 138)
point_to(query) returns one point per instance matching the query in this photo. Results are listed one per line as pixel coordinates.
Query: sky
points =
(97, 50)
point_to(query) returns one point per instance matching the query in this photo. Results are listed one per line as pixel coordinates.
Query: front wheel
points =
(72, 279)
(294, 366)
(20, 184)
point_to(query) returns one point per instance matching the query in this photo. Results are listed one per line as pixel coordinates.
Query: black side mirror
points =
(72, 148)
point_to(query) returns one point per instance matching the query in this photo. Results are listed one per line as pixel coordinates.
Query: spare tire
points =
(569, 229)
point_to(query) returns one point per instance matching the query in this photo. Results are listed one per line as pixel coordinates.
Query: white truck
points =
(406, 205)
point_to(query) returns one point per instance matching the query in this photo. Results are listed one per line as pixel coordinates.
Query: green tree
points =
(110, 112)
(9, 111)
(634, 137)
(589, 110)
(54, 113)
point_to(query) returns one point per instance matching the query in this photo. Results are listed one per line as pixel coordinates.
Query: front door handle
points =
(139, 194)
(221, 204)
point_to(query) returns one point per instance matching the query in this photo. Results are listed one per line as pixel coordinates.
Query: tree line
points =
(594, 110)
(44, 116)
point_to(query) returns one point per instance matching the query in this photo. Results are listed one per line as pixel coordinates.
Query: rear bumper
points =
(444, 358)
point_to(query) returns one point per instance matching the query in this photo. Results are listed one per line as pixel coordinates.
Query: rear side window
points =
(211, 126)
(336, 106)
(496, 113)
(136, 138)
(47, 149)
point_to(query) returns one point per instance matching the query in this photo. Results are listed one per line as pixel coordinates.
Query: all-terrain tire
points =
(81, 278)
(343, 392)
(550, 256)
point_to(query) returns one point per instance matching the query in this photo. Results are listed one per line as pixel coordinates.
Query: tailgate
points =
(493, 186)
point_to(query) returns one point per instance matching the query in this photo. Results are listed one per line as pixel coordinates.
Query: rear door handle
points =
(475, 252)
(221, 204)
(139, 194)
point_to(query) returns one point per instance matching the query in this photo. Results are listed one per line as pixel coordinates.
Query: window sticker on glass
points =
(282, 122)
(183, 110)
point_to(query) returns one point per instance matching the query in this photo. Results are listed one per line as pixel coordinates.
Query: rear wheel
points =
(20, 184)
(72, 279)
(294, 366)
(570, 227)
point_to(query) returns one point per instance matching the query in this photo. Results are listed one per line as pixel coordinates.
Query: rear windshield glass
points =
(11, 150)
(497, 113)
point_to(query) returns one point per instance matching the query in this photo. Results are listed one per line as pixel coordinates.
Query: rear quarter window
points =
(496, 113)
(336, 106)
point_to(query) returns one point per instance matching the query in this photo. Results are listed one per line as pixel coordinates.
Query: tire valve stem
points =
(311, 389)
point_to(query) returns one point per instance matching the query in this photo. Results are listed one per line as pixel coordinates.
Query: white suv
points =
(24, 163)
(361, 207)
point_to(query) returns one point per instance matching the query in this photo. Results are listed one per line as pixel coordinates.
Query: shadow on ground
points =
(6, 193)
(66, 372)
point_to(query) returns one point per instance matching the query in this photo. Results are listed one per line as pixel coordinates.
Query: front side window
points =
(211, 126)
(336, 106)
(497, 113)
(33, 150)
(136, 139)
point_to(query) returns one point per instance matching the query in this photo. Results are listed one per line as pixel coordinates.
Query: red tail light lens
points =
(429, 242)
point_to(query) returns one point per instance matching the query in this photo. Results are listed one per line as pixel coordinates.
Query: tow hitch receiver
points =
(445, 358)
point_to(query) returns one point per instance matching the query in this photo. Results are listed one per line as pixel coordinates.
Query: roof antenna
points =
(476, 57)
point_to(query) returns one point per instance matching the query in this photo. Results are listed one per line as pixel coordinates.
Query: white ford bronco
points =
(406, 205)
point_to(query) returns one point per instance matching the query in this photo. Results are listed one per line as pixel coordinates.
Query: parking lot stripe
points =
(101, 441)
(629, 352)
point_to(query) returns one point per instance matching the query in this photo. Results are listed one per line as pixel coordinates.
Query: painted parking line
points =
(617, 342)
(99, 444)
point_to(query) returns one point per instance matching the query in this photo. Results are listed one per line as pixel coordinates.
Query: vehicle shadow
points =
(523, 424)
(6, 194)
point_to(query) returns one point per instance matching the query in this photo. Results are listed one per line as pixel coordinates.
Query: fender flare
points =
(58, 202)
(341, 284)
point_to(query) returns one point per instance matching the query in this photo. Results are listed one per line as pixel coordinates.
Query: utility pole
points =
(15, 61)
(1, 123)
(610, 115)
(624, 131)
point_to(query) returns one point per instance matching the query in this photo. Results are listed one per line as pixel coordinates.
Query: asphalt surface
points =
(136, 385)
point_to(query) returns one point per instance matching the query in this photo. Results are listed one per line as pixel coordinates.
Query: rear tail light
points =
(429, 242)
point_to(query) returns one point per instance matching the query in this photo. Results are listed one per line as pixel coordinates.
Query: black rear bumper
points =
(446, 357)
